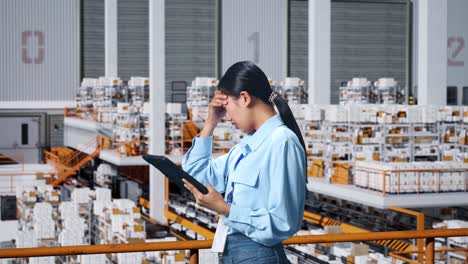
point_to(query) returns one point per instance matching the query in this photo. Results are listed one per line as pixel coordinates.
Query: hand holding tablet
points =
(173, 172)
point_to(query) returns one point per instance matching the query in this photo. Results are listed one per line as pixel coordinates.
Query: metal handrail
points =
(419, 225)
(193, 246)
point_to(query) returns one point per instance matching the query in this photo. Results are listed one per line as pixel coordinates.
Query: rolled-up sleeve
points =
(282, 217)
(199, 163)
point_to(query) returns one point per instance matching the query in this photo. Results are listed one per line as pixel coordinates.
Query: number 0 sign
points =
(26, 37)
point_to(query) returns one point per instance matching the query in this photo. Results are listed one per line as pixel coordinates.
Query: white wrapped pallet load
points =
(135, 231)
(124, 205)
(68, 210)
(299, 110)
(336, 114)
(26, 193)
(42, 260)
(81, 195)
(118, 222)
(103, 195)
(315, 113)
(25, 239)
(92, 259)
(44, 188)
(173, 108)
(451, 224)
(400, 178)
(42, 210)
(135, 257)
(354, 113)
(428, 114)
(44, 228)
(70, 238)
(136, 213)
(77, 223)
(99, 208)
(449, 114)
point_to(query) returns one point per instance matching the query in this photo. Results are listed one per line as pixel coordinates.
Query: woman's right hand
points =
(216, 112)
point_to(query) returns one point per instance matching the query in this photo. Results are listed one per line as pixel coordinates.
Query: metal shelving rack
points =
(425, 142)
(366, 139)
(293, 90)
(85, 210)
(456, 255)
(396, 143)
(357, 95)
(339, 151)
(223, 138)
(390, 95)
(84, 98)
(175, 134)
(127, 131)
(450, 148)
(313, 136)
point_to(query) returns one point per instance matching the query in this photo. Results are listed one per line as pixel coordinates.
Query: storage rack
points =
(389, 92)
(357, 91)
(293, 90)
(127, 129)
(361, 91)
(389, 133)
(175, 132)
(84, 98)
(425, 142)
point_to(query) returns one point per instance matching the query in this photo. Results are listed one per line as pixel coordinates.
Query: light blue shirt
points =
(269, 182)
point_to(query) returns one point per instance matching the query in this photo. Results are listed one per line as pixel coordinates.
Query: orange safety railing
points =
(194, 246)
(75, 157)
(419, 226)
(82, 113)
(69, 166)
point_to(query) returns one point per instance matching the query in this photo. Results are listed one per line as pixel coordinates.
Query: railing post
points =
(194, 256)
(430, 250)
(420, 241)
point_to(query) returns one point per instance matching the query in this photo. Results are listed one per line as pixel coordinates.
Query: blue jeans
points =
(241, 249)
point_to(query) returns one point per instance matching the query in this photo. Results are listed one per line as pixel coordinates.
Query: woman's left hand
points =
(212, 200)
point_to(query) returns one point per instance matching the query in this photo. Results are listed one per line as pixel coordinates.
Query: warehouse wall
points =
(298, 39)
(133, 38)
(190, 41)
(92, 38)
(256, 31)
(368, 39)
(40, 49)
(457, 44)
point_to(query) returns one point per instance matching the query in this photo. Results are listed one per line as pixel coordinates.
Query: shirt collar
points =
(253, 141)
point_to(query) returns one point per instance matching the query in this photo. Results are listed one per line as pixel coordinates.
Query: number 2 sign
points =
(455, 46)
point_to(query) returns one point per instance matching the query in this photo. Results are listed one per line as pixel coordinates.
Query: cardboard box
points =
(360, 250)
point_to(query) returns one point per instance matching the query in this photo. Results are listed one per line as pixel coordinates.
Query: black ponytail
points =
(288, 118)
(246, 76)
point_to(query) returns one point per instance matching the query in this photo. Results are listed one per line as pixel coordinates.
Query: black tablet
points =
(173, 172)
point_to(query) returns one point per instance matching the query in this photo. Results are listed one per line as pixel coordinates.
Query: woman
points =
(263, 177)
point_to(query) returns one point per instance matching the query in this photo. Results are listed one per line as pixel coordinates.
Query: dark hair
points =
(246, 76)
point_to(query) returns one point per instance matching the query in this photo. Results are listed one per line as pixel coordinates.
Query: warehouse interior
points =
(379, 89)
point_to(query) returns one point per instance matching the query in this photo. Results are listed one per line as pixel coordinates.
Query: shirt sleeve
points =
(199, 163)
(282, 218)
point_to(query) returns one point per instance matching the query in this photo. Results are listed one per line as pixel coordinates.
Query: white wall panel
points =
(457, 43)
(256, 31)
(39, 49)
